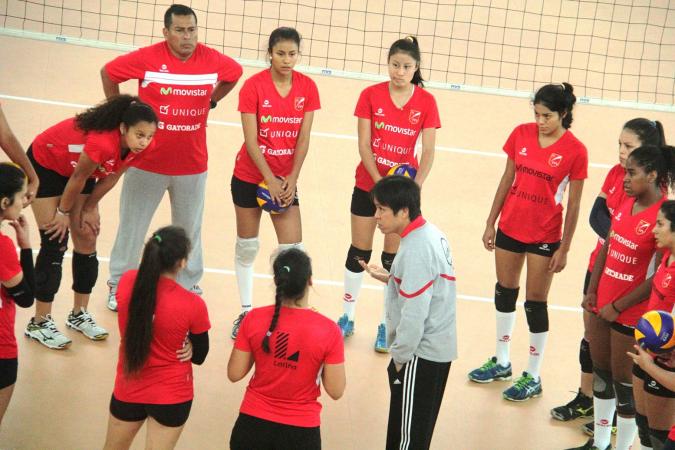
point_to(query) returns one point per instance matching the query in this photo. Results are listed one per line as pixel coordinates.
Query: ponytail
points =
(162, 253)
(118, 109)
(657, 159)
(649, 132)
(292, 272)
(410, 46)
(559, 98)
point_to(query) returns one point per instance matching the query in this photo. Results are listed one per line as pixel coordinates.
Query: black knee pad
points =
(603, 385)
(387, 260)
(505, 298)
(643, 429)
(625, 402)
(85, 272)
(585, 357)
(658, 438)
(48, 267)
(537, 316)
(354, 255)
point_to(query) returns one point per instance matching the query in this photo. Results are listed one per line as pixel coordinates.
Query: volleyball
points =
(265, 200)
(405, 170)
(654, 332)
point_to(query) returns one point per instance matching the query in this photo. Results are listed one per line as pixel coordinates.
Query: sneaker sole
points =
(381, 350)
(53, 347)
(590, 433)
(490, 380)
(559, 417)
(522, 399)
(111, 309)
(98, 337)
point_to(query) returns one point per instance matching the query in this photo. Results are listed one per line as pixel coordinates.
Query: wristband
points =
(61, 212)
(615, 308)
(213, 104)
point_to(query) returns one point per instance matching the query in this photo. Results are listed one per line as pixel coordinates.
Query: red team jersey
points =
(629, 257)
(9, 268)
(279, 121)
(532, 211)
(615, 195)
(286, 383)
(180, 93)
(164, 379)
(58, 148)
(663, 287)
(394, 131)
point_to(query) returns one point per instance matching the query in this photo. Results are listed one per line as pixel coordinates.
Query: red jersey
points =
(615, 195)
(286, 383)
(180, 93)
(58, 148)
(163, 379)
(629, 257)
(9, 268)
(532, 211)
(663, 287)
(394, 131)
(279, 122)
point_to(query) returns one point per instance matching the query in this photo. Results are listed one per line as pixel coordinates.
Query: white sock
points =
(626, 431)
(604, 413)
(537, 346)
(353, 282)
(505, 324)
(245, 283)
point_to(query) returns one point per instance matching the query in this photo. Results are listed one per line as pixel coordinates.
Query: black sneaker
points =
(580, 406)
(589, 428)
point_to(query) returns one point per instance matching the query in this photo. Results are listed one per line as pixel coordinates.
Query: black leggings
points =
(252, 433)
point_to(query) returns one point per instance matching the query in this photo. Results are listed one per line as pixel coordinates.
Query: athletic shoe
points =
(85, 324)
(197, 290)
(490, 371)
(381, 339)
(47, 334)
(237, 324)
(589, 428)
(580, 406)
(347, 326)
(589, 446)
(523, 389)
(112, 300)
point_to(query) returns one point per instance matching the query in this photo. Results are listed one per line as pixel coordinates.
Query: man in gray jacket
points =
(420, 301)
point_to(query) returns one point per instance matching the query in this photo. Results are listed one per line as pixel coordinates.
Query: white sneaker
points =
(85, 324)
(112, 300)
(47, 334)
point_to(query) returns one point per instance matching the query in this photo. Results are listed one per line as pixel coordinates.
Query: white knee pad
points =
(246, 250)
(283, 247)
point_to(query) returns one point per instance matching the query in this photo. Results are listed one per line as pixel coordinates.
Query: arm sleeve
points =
(200, 347)
(24, 292)
(600, 219)
(363, 109)
(126, 67)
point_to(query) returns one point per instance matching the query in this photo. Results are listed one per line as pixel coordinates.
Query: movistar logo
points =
(379, 125)
(166, 91)
(265, 119)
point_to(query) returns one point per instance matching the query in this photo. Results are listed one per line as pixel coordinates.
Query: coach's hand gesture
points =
(377, 272)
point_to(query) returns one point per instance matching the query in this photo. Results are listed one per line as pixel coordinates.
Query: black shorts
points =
(541, 248)
(52, 184)
(8, 369)
(623, 329)
(362, 204)
(245, 194)
(174, 415)
(252, 433)
(655, 388)
(587, 281)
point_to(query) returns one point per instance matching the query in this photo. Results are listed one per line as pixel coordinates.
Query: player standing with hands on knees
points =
(542, 159)
(420, 300)
(393, 116)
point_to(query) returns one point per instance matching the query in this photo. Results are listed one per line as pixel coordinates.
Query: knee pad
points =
(643, 429)
(585, 357)
(85, 272)
(625, 402)
(537, 316)
(505, 298)
(658, 438)
(49, 267)
(387, 260)
(603, 384)
(246, 250)
(354, 255)
(298, 245)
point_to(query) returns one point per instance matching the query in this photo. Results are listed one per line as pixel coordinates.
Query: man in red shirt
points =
(181, 79)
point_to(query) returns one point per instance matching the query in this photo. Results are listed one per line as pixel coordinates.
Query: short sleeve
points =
(9, 263)
(130, 66)
(336, 350)
(230, 70)
(248, 97)
(200, 318)
(312, 103)
(363, 106)
(510, 144)
(99, 147)
(243, 341)
(609, 181)
(579, 170)
(432, 119)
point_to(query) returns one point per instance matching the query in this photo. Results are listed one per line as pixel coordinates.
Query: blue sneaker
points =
(381, 339)
(523, 389)
(490, 371)
(346, 325)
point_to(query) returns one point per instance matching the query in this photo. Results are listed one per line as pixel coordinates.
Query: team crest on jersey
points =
(642, 227)
(666, 281)
(554, 160)
(414, 117)
(299, 103)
